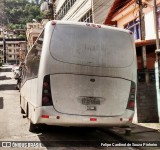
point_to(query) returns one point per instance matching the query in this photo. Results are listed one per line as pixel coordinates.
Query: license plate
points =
(90, 101)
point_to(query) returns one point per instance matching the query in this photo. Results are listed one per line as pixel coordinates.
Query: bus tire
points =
(33, 127)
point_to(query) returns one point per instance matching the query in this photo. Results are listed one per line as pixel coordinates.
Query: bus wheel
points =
(33, 127)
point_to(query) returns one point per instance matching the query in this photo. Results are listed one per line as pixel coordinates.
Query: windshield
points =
(91, 46)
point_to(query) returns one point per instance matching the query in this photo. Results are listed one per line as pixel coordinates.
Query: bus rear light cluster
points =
(93, 25)
(131, 100)
(46, 92)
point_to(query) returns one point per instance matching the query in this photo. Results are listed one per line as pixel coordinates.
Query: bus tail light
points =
(46, 92)
(131, 100)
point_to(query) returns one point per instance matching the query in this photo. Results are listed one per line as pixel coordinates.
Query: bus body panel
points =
(75, 94)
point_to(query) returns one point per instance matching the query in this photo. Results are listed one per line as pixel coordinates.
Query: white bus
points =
(80, 74)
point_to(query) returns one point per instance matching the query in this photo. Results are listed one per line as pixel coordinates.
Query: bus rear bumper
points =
(47, 115)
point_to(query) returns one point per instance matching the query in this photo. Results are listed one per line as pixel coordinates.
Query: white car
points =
(14, 68)
(16, 73)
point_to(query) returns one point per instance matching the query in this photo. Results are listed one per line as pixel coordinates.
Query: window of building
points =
(134, 26)
(87, 17)
(10, 56)
(10, 50)
(65, 8)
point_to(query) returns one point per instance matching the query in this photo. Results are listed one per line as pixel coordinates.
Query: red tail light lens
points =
(131, 104)
(46, 92)
(132, 96)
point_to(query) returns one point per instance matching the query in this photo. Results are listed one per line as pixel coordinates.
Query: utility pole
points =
(4, 49)
(141, 18)
(142, 30)
(157, 51)
(156, 29)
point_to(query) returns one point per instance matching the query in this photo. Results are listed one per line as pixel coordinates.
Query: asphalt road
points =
(13, 127)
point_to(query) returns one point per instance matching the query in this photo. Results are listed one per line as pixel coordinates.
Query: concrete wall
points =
(146, 99)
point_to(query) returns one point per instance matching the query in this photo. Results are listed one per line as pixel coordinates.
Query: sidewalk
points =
(141, 132)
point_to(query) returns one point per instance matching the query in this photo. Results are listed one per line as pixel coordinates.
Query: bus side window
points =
(33, 58)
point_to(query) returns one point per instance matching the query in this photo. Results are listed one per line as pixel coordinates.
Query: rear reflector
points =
(93, 119)
(45, 116)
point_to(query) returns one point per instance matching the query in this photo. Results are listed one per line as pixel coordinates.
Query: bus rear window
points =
(90, 46)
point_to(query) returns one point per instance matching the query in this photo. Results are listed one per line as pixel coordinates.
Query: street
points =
(15, 128)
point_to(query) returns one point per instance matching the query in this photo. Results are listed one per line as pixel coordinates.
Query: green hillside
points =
(16, 13)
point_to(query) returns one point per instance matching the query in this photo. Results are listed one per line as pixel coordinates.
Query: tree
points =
(18, 12)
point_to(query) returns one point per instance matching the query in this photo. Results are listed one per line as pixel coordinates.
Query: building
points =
(22, 51)
(33, 31)
(10, 44)
(125, 14)
(13, 50)
(93, 11)
(1, 52)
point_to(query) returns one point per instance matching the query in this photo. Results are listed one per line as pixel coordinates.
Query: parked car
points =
(16, 72)
(14, 67)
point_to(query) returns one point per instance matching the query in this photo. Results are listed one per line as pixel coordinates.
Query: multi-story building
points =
(13, 48)
(33, 31)
(83, 10)
(1, 52)
(22, 51)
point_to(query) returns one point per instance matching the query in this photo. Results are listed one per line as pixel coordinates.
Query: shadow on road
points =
(5, 78)
(4, 87)
(5, 69)
(53, 136)
(1, 103)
